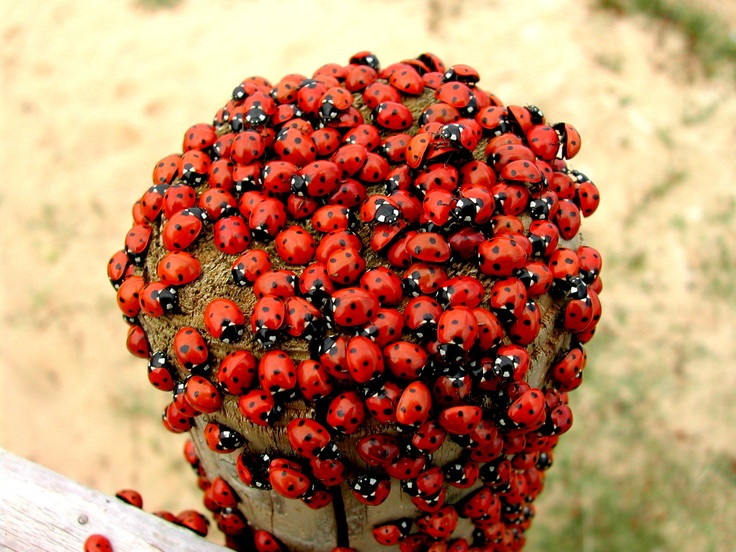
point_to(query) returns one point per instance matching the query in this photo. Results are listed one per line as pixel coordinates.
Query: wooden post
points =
(43, 511)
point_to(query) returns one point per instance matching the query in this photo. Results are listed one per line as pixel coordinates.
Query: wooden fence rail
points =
(41, 510)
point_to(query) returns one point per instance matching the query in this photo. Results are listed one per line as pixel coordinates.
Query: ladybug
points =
(202, 395)
(194, 521)
(191, 349)
(385, 284)
(378, 449)
(461, 474)
(422, 278)
(268, 316)
(295, 245)
(459, 136)
(231, 235)
(421, 315)
(181, 230)
(97, 543)
(288, 482)
(317, 179)
(440, 524)
(464, 291)
(137, 342)
(152, 202)
(266, 542)
(460, 420)
(567, 218)
(407, 80)
(166, 170)
(346, 412)
(161, 372)
(429, 436)
(459, 95)
(259, 407)
(237, 371)
(457, 332)
(525, 328)
(307, 437)
(345, 265)
(222, 439)
(277, 374)
(329, 471)
(157, 299)
(130, 496)
(353, 306)
(429, 247)
(384, 328)
(231, 522)
(128, 296)
(313, 380)
(393, 115)
(295, 146)
(178, 268)
(391, 533)
(136, 243)
(451, 388)
(364, 359)
(317, 498)
(194, 166)
(267, 219)
(222, 494)
(224, 320)
(302, 319)
(119, 268)
(414, 404)
(508, 298)
(381, 401)
(278, 283)
(370, 490)
(249, 266)
(330, 218)
(569, 138)
(501, 255)
(394, 148)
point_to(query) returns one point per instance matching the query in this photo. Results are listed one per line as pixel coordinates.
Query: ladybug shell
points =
(364, 359)
(414, 405)
(97, 543)
(307, 437)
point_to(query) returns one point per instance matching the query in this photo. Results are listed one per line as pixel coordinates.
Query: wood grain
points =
(43, 511)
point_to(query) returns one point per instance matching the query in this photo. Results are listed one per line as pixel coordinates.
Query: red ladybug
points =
(353, 306)
(222, 439)
(364, 359)
(249, 266)
(194, 521)
(190, 348)
(203, 395)
(130, 496)
(178, 268)
(97, 543)
(370, 490)
(307, 437)
(224, 320)
(237, 372)
(277, 373)
(414, 405)
(460, 420)
(346, 412)
(259, 407)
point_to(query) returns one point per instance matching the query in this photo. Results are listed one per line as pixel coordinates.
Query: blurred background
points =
(93, 94)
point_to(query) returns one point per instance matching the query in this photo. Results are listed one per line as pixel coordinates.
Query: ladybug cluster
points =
(363, 260)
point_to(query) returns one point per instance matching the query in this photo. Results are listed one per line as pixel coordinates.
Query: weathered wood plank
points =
(41, 510)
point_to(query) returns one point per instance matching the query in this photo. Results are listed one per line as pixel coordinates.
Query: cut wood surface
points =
(43, 511)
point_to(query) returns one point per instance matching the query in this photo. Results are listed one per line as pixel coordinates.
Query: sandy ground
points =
(94, 93)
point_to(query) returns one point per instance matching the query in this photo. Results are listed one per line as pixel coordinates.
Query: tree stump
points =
(374, 194)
